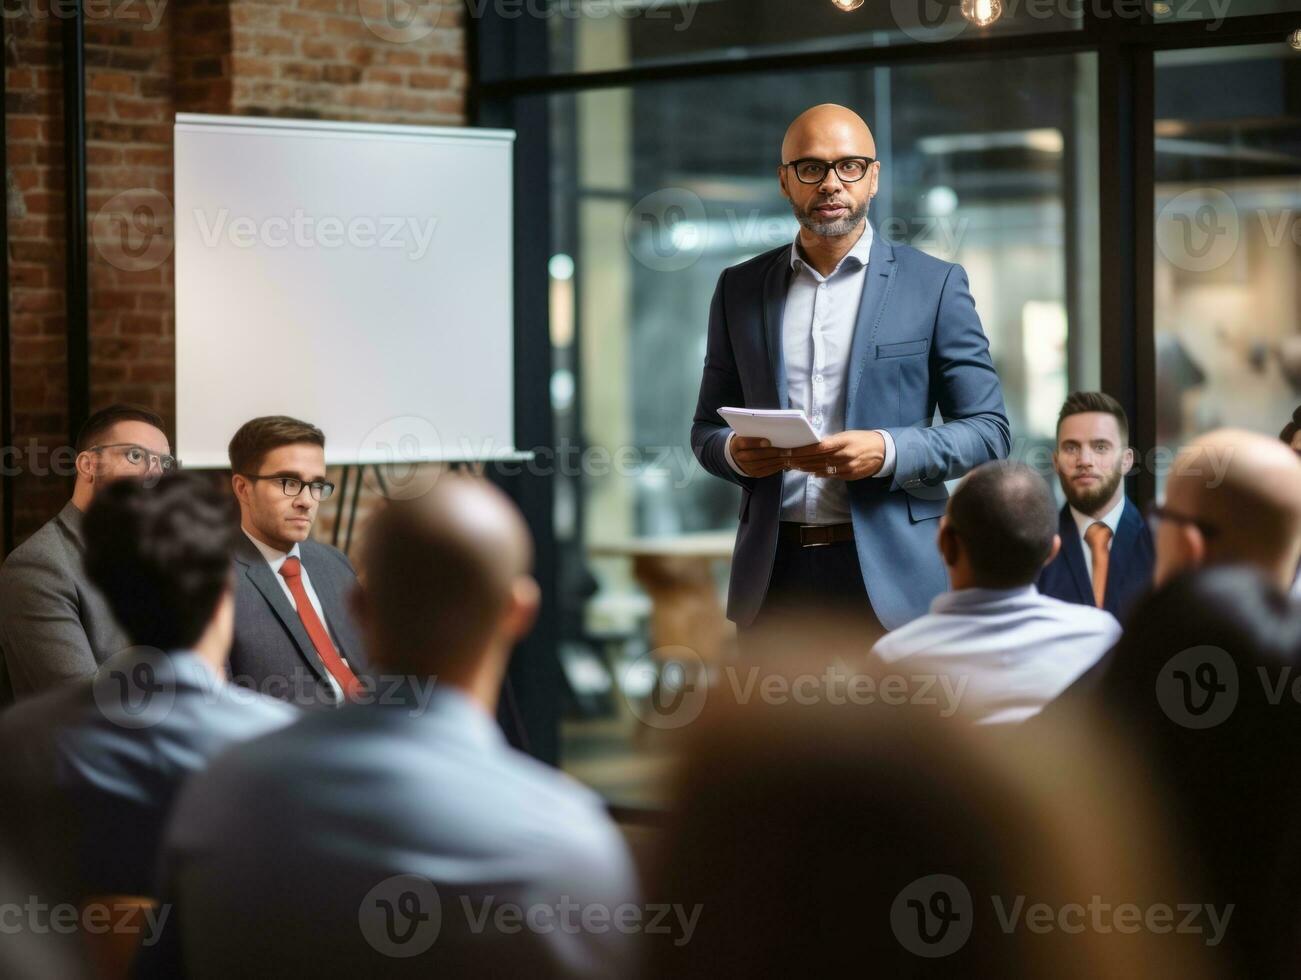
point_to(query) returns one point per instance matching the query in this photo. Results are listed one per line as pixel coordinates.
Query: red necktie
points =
(292, 570)
(1098, 536)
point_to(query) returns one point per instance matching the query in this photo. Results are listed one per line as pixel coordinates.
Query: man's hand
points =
(758, 458)
(850, 455)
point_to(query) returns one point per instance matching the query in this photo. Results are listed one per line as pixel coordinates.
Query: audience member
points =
(55, 626)
(90, 769)
(1106, 555)
(295, 637)
(401, 835)
(1006, 648)
(1291, 434)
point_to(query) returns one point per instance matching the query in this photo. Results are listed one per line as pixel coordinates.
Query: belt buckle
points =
(813, 544)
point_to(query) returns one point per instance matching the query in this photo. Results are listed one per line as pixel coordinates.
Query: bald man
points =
(867, 339)
(1232, 497)
(401, 835)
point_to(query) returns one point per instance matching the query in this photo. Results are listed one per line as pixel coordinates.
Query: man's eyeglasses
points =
(140, 456)
(1159, 512)
(292, 486)
(811, 171)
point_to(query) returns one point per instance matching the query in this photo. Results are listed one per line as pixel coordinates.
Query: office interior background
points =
(1120, 179)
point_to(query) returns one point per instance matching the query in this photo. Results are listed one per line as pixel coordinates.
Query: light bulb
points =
(982, 13)
(1294, 39)
(847, 4)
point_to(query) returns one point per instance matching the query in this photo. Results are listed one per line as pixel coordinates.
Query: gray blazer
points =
(272, 652)
(918, 345)
(54, 625)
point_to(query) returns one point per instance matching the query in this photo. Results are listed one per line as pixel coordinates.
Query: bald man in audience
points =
(401, 835)
(1232, 498)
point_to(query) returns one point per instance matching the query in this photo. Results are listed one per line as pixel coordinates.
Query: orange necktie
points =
(292, 570)
(1098, 537)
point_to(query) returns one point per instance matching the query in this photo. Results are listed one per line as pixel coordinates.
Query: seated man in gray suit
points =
(55, 626)
(1003, 647)
(295, 638)
(91, 768)
(401, 835)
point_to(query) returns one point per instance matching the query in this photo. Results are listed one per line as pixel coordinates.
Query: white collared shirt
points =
(276, 559)
(1000, 654)
(1083, 521)
(817, 334)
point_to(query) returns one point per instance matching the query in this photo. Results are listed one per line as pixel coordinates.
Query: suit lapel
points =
(775, 284)
(1073, 552)
(1123, 547)
(258, 572)
(876, 290)
(331, 596)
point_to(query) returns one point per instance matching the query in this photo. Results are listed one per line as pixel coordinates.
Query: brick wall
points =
(328, 59)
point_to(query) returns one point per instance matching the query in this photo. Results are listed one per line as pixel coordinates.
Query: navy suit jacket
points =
(918, 345)
(1129, 570)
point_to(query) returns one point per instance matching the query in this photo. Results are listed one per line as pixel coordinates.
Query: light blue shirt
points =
(817, 333)
(306, 845)
(1006, 652)
(93, 767)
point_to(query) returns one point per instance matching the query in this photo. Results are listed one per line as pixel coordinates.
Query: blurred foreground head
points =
(1233, 497)
(863, 833)
(448, 589)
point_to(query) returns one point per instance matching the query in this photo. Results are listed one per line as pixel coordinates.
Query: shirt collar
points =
(856, 256)
(274, 557)
(963, 600)
(1111, 518)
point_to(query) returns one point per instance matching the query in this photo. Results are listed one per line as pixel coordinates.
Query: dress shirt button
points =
(818, 378)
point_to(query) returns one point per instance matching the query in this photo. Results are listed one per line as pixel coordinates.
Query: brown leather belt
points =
(814, 535)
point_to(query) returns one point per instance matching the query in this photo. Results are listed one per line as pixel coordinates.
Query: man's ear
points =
(1055, 549)
(239, 486)
(1193, 543)
(85, 463)
(949, 545)
(1127, 461)
(522, 612)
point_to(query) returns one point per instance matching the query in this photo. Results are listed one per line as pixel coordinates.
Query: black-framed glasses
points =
(1159, 512)
(849, 169)
(292, 486)
(138, 455)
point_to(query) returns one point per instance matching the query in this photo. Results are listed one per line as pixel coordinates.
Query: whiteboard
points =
(355, 276)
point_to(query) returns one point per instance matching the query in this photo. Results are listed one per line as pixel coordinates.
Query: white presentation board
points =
(355, 276)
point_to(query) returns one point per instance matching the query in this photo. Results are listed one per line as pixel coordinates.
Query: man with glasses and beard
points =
(1107, 555)
(56, 626)
(295, 637)
(868, 339)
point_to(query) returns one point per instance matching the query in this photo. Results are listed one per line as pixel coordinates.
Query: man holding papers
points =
(864, 339)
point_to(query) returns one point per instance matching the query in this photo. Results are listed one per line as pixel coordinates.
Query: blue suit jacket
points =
(918, 344)
(1129, 571)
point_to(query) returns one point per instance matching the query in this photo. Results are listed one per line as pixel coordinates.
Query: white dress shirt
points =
(1083, 521)
(276, 558)
(1007, 652)
(817, 334)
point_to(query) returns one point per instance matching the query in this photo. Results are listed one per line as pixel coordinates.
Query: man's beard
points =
(830, 229)
(1088, 501)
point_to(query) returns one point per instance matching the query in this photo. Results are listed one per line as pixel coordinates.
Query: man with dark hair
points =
(55, 626)
(1107, 554)
(1291, 433)
(89, 770)
(295, 638)
(1006, 649)
(401, 835)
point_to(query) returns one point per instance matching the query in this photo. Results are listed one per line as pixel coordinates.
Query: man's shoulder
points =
(914, 261)
(1088, 617)
(756, 266)
(326, 554)
(50, 546)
